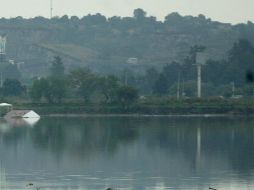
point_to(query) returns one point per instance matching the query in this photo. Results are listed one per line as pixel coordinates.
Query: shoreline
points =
(187, 108)
(148, 115)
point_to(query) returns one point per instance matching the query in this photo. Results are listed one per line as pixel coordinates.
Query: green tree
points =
(38, 89)
(161, 85)
(13, 87)
(174, 19)
(139, 14)
(57, 68)
(108, 86)
(84, 82)
(96, 19)
(148, 80)
(127, 95)
(53, 89)
(241, 58)
(56, 90)
(88, 87)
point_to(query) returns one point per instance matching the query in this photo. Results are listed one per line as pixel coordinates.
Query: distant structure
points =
(200, 61)
(178, 87)
(51, 9)
(233, 89)
(5, 108)
(22, 117)
(3, 39)
(132, 60)
(22, 114)
(5, 61)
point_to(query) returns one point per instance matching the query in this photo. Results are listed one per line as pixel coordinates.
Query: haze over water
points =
(128, 153)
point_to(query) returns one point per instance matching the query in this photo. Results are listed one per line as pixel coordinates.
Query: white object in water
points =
(22, 114)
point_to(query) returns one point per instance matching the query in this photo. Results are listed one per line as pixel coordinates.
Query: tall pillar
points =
(2, 48)
(199, 81)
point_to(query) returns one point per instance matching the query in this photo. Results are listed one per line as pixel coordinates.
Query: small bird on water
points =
(212, 188)
(32, 185)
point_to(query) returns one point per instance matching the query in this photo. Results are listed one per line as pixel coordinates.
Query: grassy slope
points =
(71, 50)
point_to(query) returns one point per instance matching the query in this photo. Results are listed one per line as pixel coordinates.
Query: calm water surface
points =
(128, 153)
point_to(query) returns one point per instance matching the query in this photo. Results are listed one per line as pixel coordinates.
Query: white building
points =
(132, 60)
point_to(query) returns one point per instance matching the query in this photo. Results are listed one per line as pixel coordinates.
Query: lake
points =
(128, 153)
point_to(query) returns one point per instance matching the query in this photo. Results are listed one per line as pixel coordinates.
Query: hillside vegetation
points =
(105, 44)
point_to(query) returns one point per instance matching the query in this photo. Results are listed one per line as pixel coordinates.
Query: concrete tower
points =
(200, 61)
(3, 39)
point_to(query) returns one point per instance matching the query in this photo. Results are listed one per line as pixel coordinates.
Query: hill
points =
(105, 44)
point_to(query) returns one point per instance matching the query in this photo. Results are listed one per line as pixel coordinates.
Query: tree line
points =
(106, 43)
(219, 77)
(80, 83)
(227, 77)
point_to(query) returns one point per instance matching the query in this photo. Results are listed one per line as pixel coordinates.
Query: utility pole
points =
(1, 80)
(178, 87)
(3, 39)
(125, 77)
(51, 9)
(183, 89)
(199, 83)
(233, 89)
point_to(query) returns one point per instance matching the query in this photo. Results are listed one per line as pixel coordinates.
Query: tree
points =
(53, 89)
(108, 87)
(161, 85)
(115, 21)
(57, 69)
(126, 95)
(240, 61)
(56, 90)
(13, 87)
(148, 80)
(239, 49)
(139, 14)
(85, 82)
(96, 19)
(74, 19)
(78, 75)
(88, 87)
(172, 71)
(248, 90)
(174, 19)
(64, 19)
(39, 89)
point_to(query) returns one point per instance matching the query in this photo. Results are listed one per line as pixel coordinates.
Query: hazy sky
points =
(233, 11)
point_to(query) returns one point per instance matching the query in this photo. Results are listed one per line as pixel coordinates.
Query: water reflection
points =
(17, 122)
(3, 182)
(132, 153)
